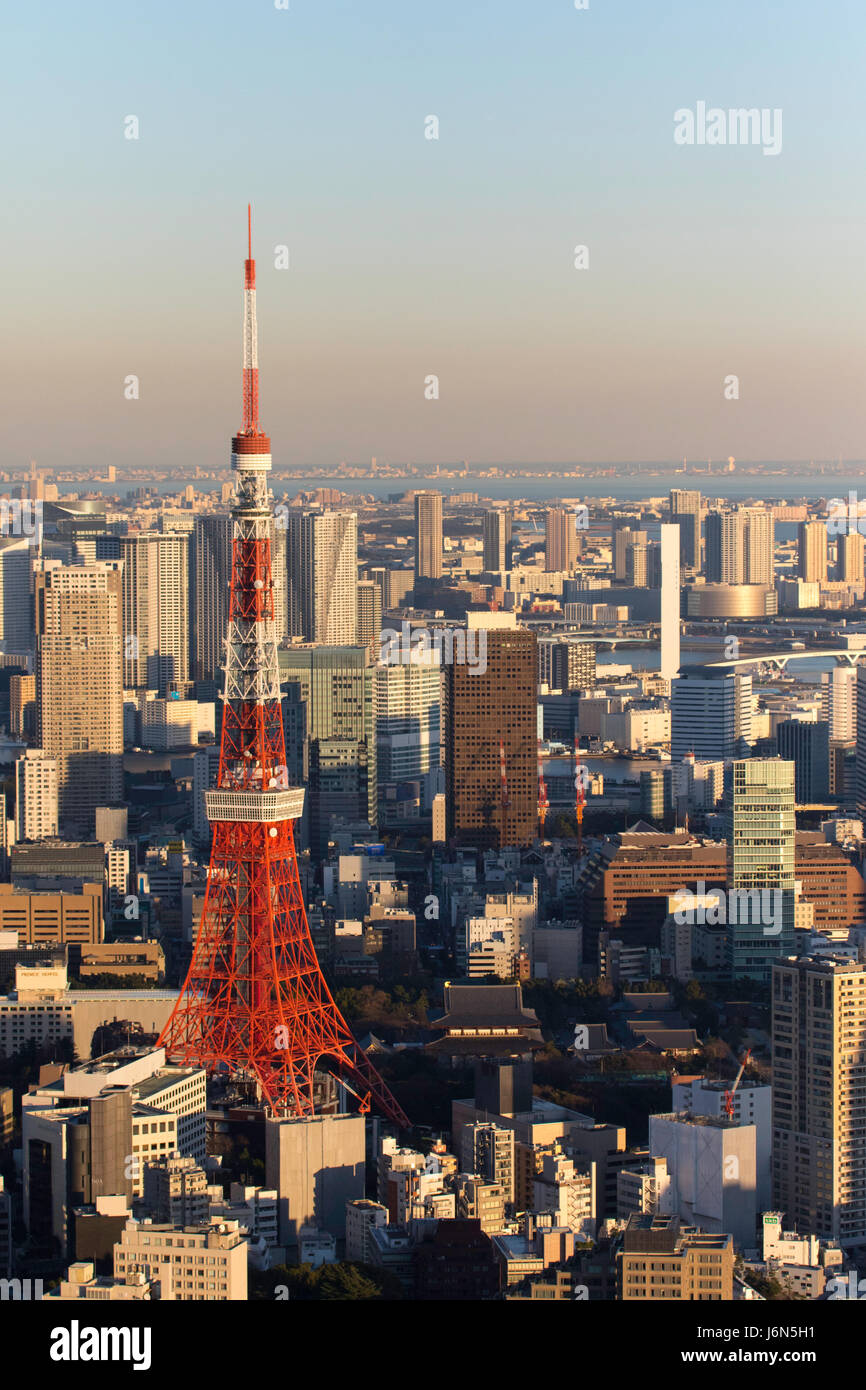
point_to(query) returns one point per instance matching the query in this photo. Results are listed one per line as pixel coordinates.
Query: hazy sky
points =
(411, 257)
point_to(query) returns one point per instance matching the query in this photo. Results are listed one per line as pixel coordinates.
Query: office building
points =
(16, 597)
(685, 513)
(79, 692)
(561, 542)
(322, 576)
(490, 730)
(408, 723)
(176, 1191)
(208, 1262)
(43, 919)
(819, 1077)
(711, 714)
(36, 806)
(210, 574)
(316, 1165)
(812, 551)
(330, 713)
(760, 825)
(839, 697)
(807, 746)
(22, 706)
(155, 608)
(660, 1258)
(428, 535)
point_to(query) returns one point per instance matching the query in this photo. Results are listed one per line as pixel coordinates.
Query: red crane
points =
(543, 800)
(503, 793)
(579, 794)
(729, 1095)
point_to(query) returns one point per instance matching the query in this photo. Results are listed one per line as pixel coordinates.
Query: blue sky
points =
(412, 257)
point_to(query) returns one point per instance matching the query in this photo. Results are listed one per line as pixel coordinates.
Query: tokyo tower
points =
(255, 1005)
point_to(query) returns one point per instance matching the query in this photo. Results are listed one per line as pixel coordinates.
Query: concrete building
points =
(428, 535)
(82, 1284)
(812, 551)
(155, 608)
(496, 540)
(210, 572)
(208, 1262)
(819, 1073)
(760, 825)
(362, 1218)
(176, 1191)
(567, 1189)
(316, 1165)
(752, 1105)
(53, 918)
(322, 568)
(685, 513)
(488, 1152)
(710, 714)
(561, 541)
(644, 1188)
(807, 746)
(712, 1167)
(671, 540)
(79, 692)
(839, 694)
(36, 796)
(662, 1259)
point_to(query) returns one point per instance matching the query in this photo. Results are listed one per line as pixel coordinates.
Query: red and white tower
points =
(255, 1004)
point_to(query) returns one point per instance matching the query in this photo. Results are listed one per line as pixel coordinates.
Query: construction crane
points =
(503, 793)
(579, 795)
(729, 1095)
(543, 800)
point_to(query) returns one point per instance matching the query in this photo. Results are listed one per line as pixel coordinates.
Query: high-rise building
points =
(331, 704)
(711, 714)
(155, 608)
(35, 796)
(685, 512)
(428, 535)
(79, 685)
(16, 597)
(812, 551)
(671, 538)
(22, 706)
(369, 616)
(567, 663)
(759, 797)
(561, 544)
(807, 746)
(724, 551)
(408, 721)
(759, 545)
(861, 740)
(322, 564)
(491, 771)
(624, 535)
(839, 696)
(849, 557)
(819, 1078)
(637, 560)
(210, 576)
(496, 533)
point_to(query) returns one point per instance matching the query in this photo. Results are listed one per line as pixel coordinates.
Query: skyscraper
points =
(322, 564)
(561, 545)
(496, 534)
(819, 1078)
(79, 688)
(210, 576)
(839, 692)
(759, 545)
(567, 663)
(849, 557)
(761, 825)
(807, 746)
(155, 608)
(812, 551)
(337, 688)
(490, 737)
(711, 713)
(369, 616)
(428, 535)
(685, 512)
(408, 721)
(724, 554)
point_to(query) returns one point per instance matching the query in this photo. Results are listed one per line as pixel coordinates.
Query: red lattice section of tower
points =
(255, 1003)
